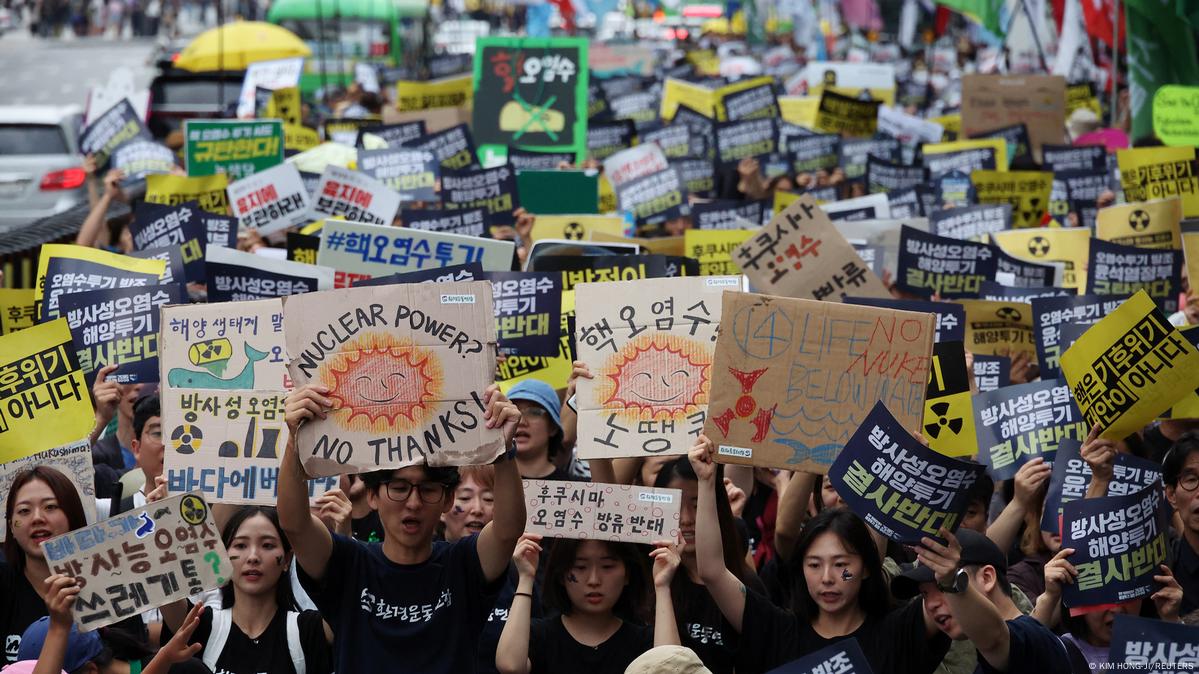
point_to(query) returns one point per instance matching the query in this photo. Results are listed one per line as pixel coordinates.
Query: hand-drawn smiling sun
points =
(385, 383)
(657, 376)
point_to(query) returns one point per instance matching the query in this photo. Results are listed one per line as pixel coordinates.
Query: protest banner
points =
(676, 93)
(172, 256)
(649, 344)
(908, 129)
(139, 158)
(727, 215)
(739, 140)
(1016, 138)
(819, 367)
(1068, 245)
(119, 327)
(156, 226)
(948, 409)
(950, 317)
(465, 222)
(394, 135)
(967, 156)
(636, 162)
(406, 367)
(1153, 645)
(677, 141)
(345, 130)
(472, 271)
(284, 103)
(697, 176)
(1129, 367)
(1174, 119)
(971, 223)
(298, 139)
(654, 199)
(454, 147)
(992, 372)
(602, 512)
(846, 116)
(1021, 422)
(1027, 191)
(998, 328)
(224, 346)
(356, 250)
(273, 74)
(910, 202)
(270, 200)
(413, 174)
(797, 233)
(18, 310)
(575, 227)
(140, 560)
(867, 207)
(1072, 475)
(120, 124)
(447, 92)
(1059, 158)
(355, 196)
(606, 139)
(491, 189)
(994, 101)
(884, 176)
(237, 148)
(226, 445)
(73, 460)
(527, 311)
(953, 189)
(843, 657)
(1113, 269)
(531, 93)
(1150, 173)
(746, 98)
(64, 268)
(523, 160)
(638, 107)
(713, 249)
(998, 292)
(856, 152)
(901, 488)
(1150, 224)
(207, 191)
(236, 276)
(1051, 313)
(1083, 189)
(813, 151)
(302, 247)
(1119, 545)
(931, 264)
(39, 372)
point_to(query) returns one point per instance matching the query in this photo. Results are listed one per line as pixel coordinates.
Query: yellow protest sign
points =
(847, 116)
(1148, 173)
(44, 400)
(300, 138)
(1190, 250)
(719, 95)
(799, 110)
(884, 94)
(575, 227)
(713, 248)
(783, 199)
(1082, 96)
(661, 245)
(17, 309)
(952, 125)
(449, 92)
(1148, 224)
(285, 104)
(607, 195)
(1027, 192)
(999, 145)
(73, 268)
(706, 61)
(999, 328)
(695, 96)
(1068, 245)
(1129, 368)
(1188, 407)
(948, 409)
(174, 190)
(1176, 115)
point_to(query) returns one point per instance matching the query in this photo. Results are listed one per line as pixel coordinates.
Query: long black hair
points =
(874, 597)
(284, 597)
(632, 604)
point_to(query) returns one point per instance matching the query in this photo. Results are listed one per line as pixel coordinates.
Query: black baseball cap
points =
(977, 550)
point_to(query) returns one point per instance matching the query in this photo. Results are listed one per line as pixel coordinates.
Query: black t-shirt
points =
(368, 528)
(422, 618)
(559, 475)
(20, 607)
(1031, 648)
(702, 627)
(269, 652)
(897, 643)
(489, 640)
(1184, 562)
(552, 650)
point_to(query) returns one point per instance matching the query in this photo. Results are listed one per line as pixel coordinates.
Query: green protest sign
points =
(238, 148)
(1176, 115)
(558, 192)
(530, 93)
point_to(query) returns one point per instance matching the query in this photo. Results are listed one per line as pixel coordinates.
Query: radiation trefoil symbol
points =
(1138, 220)
(1008, 314)
(1038, 246)
(941, 410)
(746, 406)
(573, 231)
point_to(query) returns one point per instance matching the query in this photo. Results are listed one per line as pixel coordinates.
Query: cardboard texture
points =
(649, 344)
(993, 101)
(73, 460)
(603, 512)
(224, 346)
(140, 560)
(407, 367)
(793, 379)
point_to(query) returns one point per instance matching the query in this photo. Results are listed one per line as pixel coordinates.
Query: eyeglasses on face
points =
(430, 492)
(1188, 482)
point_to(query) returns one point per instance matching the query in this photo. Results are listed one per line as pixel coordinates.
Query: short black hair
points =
(143, 410)
(981, 491)
(1176, 458)
(447, 475)
(1000, 576)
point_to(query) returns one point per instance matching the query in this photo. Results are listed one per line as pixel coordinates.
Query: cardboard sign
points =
(1051, 313)
(727, 215)
(270, 200)
(746, 138)
(1119, 546)
(1027, 192)
(353, 196)
(602, 512)
(493, 190)
(998, 328)
(64, 268)
(1154, 645)
(1123, 270)
(950, 317)
(1150, 224)
(465, 222)
(406, 367)
(1068, 245)
(949, 411)
(223, 346)
(971, 223)
(1129, 367)
(17, 309)
(271, 75)
(527, 311)
(226, 445)
(120, 124)
(357, 250)
(531, 93)
(771, 258)
(411, 173)
(140, 158)
(119, 327)
(140, 560)
(1160, 173)
(454, 148)
(207, 191)
(847, 116)
(992, 372)
(1018, 423)
(1072, 475)
(787, 376)
(1174, 119)
(73, 460)
(931, 264)
(649, 344)
(157, 226)
(994, 101)
(575, 227)
(901, 488)
(237, 148)
(843, 657)
(448, 92)
(713, 249)
(237, 276)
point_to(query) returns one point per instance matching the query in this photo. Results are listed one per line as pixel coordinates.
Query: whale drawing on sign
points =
(180, 377)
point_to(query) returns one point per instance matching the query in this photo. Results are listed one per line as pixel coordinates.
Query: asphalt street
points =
(59, 72)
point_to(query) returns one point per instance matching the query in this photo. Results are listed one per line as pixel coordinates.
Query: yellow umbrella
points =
(243, 43)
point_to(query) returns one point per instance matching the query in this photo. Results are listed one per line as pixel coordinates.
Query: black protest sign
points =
(677, 141)
(992, 372)
(597, 105)
(605, 140)
(140, 158)
(578, 269)
(846, 116)
(991, 290)
(954, 189)
(119, 327)
(814, 152)
(528, 160)
(303, 247)
(873, 256)
(454, 148)
(218, 230)
(119, 125)
(951, 317)
(697, 176)
(638, 107)
(655, 198)
(1016, 138)
(1072, 475)
(725, 214)
(855, 152)
(493, 190)
(752, 103)
(471, 271)
(843, 657)
(1083, 189)
(1090, 158)
(1147, 645)
(909, 202)
(966, 161)
(931, 264)
(823, 195)
(230, 279)
(157, 226)
(746, 138)
(1119, 544)
(1113, 269)
(973, 223)
(1016, 424)
(411, 173)
(395, 135)
(172, 256)
(1049, 314)
(901, 488)
(1025, 274)
(527, 312)
(467, 221)
(885, 176)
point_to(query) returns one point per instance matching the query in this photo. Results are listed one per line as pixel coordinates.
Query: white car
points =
(41, 171)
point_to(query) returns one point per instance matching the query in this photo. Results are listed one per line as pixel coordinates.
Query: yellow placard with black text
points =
(1147, 224)
(450, 92)
(1069, 245)
(1027, 192)
(17, 309)
(948, 410)
(1148, 173)
(713, 249)
(575, 227)
(999, 328)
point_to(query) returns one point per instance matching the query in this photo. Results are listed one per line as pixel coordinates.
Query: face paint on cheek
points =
(458, 510)
(16, 524)
(571, 577)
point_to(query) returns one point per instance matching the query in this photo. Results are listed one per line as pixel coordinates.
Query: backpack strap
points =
(222, 620)
(294, 646)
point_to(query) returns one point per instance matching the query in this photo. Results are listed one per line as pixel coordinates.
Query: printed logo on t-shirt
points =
(12, 646)
(416, 613)
(500, 614)
(704, 634)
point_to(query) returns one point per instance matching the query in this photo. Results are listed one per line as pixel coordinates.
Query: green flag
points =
(985, 12)
(1161, 50)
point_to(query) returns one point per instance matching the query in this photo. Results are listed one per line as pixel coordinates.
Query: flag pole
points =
(1115, 60)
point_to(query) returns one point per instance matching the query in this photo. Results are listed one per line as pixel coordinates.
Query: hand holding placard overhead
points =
(606, 512)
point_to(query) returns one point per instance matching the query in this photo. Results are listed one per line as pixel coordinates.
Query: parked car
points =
(178, 95)
(41, 171)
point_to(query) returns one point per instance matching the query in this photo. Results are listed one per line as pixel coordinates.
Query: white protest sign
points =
(270, 200)
(907, 128)
(603, 512)
(351, 195)
(636, 162)
(277, 74)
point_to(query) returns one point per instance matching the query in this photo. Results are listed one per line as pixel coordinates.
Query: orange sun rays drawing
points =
(385, 383)
(657, 376)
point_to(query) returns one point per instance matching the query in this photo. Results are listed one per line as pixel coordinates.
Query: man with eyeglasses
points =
(408, 604)
(1180, 472)
(148, 453)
